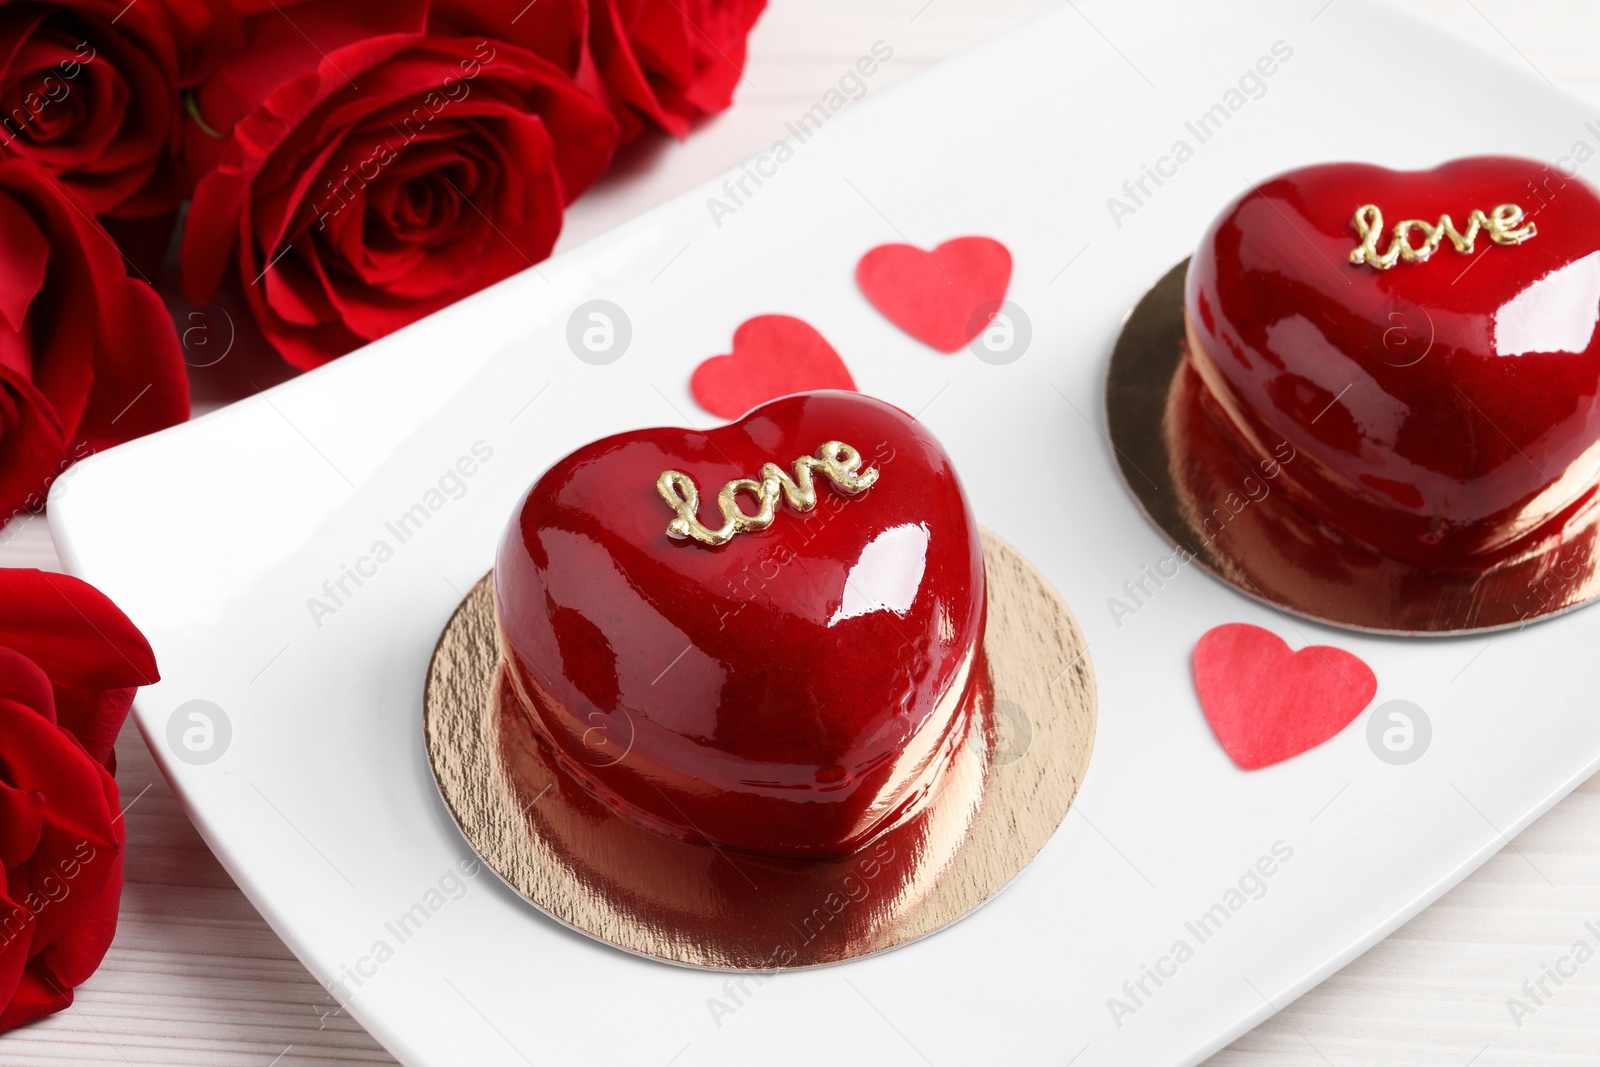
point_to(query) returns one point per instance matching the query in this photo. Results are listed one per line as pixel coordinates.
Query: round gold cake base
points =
(698, 905)
(1224, 514)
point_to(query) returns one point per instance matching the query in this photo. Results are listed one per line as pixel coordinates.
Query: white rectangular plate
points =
(215, 535)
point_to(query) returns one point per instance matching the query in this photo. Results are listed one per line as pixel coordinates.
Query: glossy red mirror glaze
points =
(793, 691)
(1442, 411)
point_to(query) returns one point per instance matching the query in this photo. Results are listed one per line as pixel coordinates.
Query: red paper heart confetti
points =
(933, 296)
(773, 356)
(1266, 703)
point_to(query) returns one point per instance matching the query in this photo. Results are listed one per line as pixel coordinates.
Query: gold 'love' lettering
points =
(1504, 225)
(836, 459)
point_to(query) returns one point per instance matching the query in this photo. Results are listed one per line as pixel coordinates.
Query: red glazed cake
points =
(1422, 343)
(767, 637)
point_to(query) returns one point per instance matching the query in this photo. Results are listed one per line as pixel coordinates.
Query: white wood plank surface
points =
(196, 977)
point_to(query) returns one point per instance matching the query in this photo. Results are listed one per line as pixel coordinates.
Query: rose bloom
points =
(69, 662)
(655, 62)
(89, 90)
(88, 356)
(374, 168)
(670, 61)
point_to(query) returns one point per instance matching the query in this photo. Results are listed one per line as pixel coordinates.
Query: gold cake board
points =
(699, 905)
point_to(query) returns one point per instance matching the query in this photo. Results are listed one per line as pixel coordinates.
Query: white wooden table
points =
(196, 977)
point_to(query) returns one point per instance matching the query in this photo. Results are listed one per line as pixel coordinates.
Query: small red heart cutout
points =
(1266, 703)
(773, 356)
(934, 296)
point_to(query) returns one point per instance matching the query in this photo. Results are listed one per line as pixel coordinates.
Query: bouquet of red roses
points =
(361, 165)
(348, 167)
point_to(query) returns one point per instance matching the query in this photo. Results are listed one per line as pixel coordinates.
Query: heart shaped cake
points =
(768, 636)
(1422, 344)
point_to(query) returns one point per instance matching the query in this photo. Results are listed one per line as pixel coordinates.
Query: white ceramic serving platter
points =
(214, 535)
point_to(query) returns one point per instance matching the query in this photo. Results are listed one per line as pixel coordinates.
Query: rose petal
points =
(90, 650)
(21, 823)
(552, 29)
(94, 876)
(23, 260)
(16, 944)
(37, 994)
(31, 444)
(25, 685)
(80, 844)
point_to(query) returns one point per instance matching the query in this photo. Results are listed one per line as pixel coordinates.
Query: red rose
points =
(68, 663)
(670, 61)
(376, 169)
(88, 356)
(89, 91)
